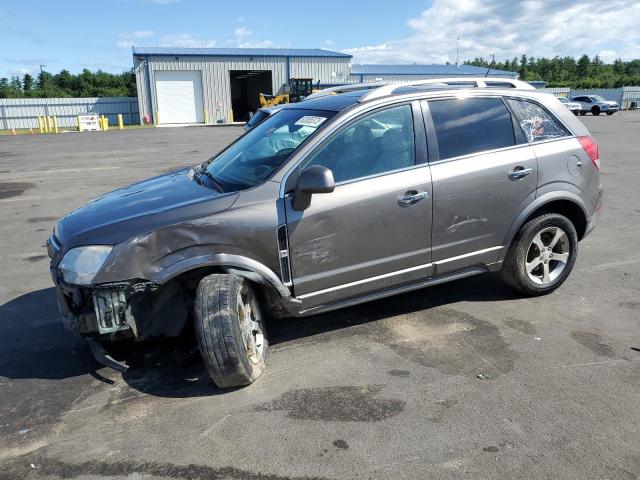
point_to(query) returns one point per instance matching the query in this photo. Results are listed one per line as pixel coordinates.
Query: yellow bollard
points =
(231, 116)
(120, 123)
(45, 120)
(79, 125)
(206, 117)
(40, 126)
(157, 118)
(50, 124)
(105, 123)
(55, 124)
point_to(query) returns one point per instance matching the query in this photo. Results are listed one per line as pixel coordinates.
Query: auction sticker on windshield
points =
(310, 121)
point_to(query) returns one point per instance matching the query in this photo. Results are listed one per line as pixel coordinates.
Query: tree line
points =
(558, 71)
(66, 84)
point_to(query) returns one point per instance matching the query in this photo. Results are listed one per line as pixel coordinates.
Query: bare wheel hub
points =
(251, 326)
(547, 255)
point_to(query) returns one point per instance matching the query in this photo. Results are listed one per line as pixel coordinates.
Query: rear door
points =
(483, 173)
(374, 230)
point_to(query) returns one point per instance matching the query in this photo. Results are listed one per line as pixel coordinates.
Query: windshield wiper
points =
(213, 179)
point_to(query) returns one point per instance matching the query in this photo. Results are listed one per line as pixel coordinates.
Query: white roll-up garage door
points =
(179, 96)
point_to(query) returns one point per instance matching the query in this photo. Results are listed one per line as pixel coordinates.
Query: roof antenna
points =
(493, 60)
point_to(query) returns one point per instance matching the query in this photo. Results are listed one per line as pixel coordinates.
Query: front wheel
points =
(595, 111)
(541, 255)
(230, 330)
(583, 113)
(610, 113)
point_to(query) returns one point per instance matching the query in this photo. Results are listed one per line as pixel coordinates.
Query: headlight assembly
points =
(80, 265)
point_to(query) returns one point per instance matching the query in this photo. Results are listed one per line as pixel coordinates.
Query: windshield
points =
(259, 152)
(598, 98)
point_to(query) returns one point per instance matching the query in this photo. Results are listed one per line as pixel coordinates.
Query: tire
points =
(582, 112)
(576, 112)
(534, 271)
(595, 111)
(233, 350)
(610, 113)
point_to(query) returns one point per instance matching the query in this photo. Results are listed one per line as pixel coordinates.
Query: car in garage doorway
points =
(329, 203)
(595, 104)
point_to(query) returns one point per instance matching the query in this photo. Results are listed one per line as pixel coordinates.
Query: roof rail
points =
(474, 82)
(347, 87)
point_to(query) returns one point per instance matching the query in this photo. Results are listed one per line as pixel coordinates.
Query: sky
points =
(96, 34)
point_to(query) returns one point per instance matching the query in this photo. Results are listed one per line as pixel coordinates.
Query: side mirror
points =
(314, 179)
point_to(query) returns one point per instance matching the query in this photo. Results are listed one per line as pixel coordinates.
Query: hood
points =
(611, 103)
(140, 208)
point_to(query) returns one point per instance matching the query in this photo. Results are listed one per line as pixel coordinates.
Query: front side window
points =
(538, 124)
(258, 153)
(465, 126)
(379, 142)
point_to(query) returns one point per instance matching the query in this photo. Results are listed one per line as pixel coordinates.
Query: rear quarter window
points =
(465, 126)
(537, 123)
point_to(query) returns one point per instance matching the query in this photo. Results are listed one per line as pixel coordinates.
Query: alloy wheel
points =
(251, 325)
(547, 255)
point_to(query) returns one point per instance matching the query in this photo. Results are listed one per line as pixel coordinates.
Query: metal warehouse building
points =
(193, 85)
(221, 85)
(400, 73)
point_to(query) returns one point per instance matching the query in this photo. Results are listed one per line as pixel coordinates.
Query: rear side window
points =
(470, 125)
(538, 124)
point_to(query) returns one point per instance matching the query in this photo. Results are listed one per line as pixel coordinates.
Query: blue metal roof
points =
(434, 69)
(239, 52)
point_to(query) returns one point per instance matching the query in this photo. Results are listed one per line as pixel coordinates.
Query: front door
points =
(373, 230)
(482, 176)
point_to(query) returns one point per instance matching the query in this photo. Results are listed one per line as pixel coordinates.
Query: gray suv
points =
(328, 203)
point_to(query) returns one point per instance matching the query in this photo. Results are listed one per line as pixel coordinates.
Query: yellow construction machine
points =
(298, 89)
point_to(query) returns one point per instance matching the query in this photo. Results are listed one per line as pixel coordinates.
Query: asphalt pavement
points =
(388, 389)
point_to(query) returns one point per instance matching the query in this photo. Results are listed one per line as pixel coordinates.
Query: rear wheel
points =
(595, 111)
(230, 330)
(582, 112)
(542, 255)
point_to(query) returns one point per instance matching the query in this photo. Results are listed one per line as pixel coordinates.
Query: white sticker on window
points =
(310, 121)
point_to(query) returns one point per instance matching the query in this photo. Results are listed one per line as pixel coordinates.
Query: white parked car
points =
(595, 104)
(574, 107)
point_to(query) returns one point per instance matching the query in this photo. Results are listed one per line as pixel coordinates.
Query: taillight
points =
(590, 147)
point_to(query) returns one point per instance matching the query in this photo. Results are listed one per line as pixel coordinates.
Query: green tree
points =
(523, 67)
(582, 67)
(27, 82)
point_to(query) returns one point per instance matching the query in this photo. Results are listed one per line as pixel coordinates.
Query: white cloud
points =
(127, 40)
(510, 28)
(242, 39)
(185, 40)
(142, 34)
(242, 32)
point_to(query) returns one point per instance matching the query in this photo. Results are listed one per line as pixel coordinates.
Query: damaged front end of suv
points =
(135, 309)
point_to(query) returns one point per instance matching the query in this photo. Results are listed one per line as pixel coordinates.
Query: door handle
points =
(411, 198)
(519, 172)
